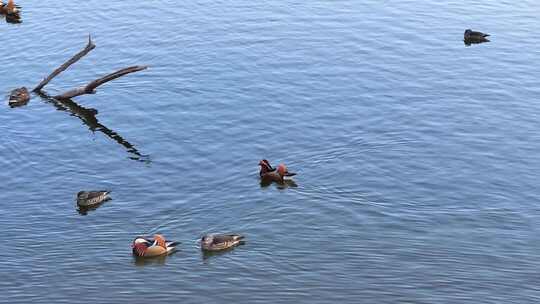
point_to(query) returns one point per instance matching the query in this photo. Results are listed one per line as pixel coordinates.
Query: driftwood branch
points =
(90, 88)
(89, 46)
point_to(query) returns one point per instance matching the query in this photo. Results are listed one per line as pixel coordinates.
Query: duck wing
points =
(99, 193)
(95, 197)
(478, 34)
(226, 238)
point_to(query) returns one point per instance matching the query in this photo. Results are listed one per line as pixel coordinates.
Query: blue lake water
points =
(417, 156)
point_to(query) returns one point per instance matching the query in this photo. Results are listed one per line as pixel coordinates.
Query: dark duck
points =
(471, 36)
(19, 97)
(269, 173)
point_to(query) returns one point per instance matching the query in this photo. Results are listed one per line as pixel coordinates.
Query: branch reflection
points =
(88, 117)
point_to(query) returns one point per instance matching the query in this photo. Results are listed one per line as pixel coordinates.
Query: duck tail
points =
(171, 246)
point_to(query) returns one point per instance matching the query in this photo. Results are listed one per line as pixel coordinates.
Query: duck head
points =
(207, 240)
(467, 32)
(80, 194)
(140, 245)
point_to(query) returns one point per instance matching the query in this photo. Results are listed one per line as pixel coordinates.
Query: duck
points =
(86, 199)
(9, 9)
(218, 242)
(268, 173)
(18, 97)
(147, 247)
(475, 36)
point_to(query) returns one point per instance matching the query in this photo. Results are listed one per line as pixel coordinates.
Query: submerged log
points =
(90, 88)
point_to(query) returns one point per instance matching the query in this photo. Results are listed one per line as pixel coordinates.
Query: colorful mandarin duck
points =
(268, 173)
(87, 199)
(217, 242)
(9, 8)
(147, 248)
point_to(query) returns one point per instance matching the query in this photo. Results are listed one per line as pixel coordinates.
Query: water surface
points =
(416, 155)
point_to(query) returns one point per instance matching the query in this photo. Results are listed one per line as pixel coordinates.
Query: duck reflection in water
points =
(207, 255)
(88, 117)
(286, 183)
(84, 210)
(159, 260)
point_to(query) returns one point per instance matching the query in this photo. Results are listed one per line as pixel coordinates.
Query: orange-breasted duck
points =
(147, 247)
(9, 9)
(268, 173)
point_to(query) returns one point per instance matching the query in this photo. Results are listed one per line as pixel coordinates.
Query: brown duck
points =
(9, 9)
(19, 97)
(87, 199)
(268, 173)
(471, 36)
(217, 242)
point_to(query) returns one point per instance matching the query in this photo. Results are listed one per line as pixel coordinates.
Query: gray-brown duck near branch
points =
(19, 97)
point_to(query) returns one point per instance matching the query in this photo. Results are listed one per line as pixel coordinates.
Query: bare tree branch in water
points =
(88, 117)
(90, 88)
(89, 46)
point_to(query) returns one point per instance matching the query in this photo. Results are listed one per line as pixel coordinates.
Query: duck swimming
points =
(19, 97)
(9, 9)
(471, 36)
(87, 199)
(217, 242)
(147, 247)
(268, 173)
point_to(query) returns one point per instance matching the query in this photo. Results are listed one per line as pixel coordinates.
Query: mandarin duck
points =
(268, 173)
(147, 247)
